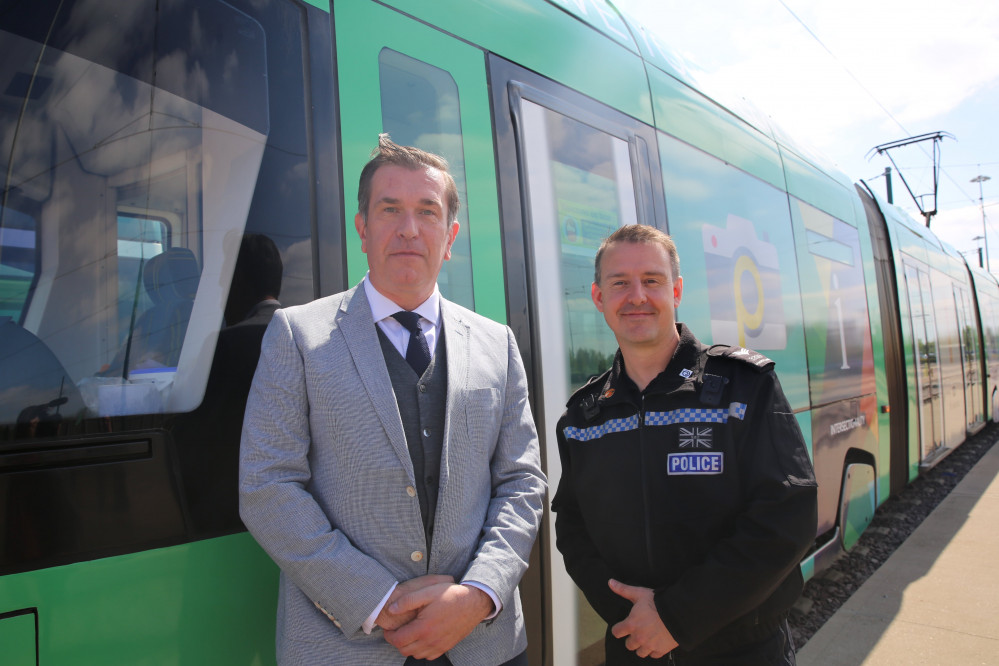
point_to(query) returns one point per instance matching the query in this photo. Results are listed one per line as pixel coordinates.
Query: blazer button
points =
(411, 491)
(426, 432)
(416, 556)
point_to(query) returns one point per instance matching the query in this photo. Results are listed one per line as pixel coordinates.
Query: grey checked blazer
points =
(326, 480)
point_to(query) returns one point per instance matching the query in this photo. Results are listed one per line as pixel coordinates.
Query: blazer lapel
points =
(355, 322)
(456, 337)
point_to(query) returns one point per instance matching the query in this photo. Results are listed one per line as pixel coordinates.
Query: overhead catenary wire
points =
(874, 97)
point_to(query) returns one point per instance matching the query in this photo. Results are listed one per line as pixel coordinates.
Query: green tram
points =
(142, 140)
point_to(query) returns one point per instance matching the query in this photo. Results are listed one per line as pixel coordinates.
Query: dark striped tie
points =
(418, 352)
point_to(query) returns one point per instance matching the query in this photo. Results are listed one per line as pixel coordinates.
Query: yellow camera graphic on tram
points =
(743, 275)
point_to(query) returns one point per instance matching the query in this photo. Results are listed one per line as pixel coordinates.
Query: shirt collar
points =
(383, 307)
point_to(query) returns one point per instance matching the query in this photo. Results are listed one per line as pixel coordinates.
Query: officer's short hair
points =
(390, 153)
(639, 233)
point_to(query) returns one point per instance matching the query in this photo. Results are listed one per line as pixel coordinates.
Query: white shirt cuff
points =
(492, 595)
(368, 625)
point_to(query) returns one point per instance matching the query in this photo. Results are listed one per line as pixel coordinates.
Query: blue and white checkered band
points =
(598, 431)
(735, 410)
(696, 415)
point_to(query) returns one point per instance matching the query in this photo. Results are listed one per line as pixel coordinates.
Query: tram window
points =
(420, 108)
(582, 190)
(737, 250)
(139, 239)
(837, 322)
(990, 325)
(135, 155)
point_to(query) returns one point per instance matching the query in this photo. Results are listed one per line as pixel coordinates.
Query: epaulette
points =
(759, 362)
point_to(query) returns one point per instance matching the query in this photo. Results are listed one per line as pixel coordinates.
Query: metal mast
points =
(936, 138)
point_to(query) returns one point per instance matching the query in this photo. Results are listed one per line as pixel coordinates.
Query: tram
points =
(143, 142)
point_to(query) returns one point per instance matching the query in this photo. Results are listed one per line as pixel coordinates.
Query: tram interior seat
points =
(171, 280)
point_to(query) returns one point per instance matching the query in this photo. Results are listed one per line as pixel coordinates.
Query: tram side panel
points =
(776, 256)
(783, 277)
(741, 283)
(835, 267)
(947, 370)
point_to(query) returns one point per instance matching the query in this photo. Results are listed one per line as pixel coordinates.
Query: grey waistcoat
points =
(422, 405)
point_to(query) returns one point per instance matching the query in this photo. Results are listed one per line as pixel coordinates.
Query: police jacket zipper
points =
(645, 484)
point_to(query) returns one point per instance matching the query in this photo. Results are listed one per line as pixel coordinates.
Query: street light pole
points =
(981, 201)
(981, 262)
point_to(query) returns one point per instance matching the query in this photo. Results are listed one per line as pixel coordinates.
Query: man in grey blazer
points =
(393, 473)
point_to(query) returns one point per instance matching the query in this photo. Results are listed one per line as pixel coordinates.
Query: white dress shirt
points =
(382, 309)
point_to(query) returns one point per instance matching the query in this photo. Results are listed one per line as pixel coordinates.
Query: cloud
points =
(963, 229)
(861, 74)
(918, 58)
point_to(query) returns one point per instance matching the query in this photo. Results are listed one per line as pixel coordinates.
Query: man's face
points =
(638, 295)
(407, 236)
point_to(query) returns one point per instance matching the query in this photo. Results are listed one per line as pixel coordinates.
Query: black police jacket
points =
(699, 487)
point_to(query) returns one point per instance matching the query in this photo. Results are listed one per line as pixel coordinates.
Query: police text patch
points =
(694, 463)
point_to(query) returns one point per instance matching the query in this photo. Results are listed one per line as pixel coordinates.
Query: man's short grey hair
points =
(408, 157)
(641, 234)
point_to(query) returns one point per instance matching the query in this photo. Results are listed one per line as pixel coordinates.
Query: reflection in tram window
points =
(18, 261)
(582, 191)
(126, 174)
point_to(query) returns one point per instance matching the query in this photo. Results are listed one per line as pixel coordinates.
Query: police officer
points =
(687, 497)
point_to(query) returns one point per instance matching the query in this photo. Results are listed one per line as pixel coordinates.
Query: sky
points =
(845, 76)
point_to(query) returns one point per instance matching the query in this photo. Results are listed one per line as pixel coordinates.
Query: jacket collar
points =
(681, 374)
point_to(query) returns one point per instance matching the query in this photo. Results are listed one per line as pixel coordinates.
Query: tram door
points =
(584, 172)
(974, 409)
(928, 380)
(575, 201)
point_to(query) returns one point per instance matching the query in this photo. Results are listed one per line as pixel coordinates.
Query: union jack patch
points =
(695, 438)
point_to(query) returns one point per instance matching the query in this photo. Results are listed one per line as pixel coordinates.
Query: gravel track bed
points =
(893, 522)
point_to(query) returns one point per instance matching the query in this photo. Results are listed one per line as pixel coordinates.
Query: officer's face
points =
(638, 295)
(407, 236)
